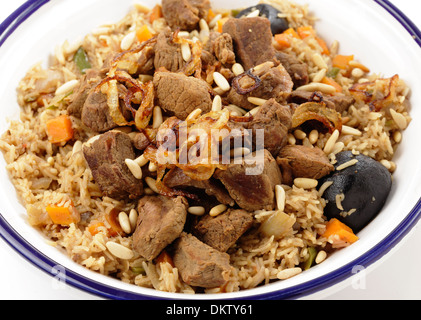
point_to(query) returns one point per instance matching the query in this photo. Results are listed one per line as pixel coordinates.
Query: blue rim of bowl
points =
(25, 249)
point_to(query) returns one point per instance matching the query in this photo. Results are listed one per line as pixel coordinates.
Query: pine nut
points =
(152, 167)
(217, 103)
(288, 273)
(319, 61)
(305, 183)
(134, 168)
(67, 87)
(313, 136)
(321, 256)
(399, 119)
(124, 221)
(397, 136)
(351, 131)
(197, 211)
(299, 134)
(253, 14)
(214, 21)
(151, 182)
(220, 81)
(217, 210)
(141, 161)
(194, 115)
(133, 218)
(315, 86)
(280, 197)
(252, 112)
(186, 52)
(77, 147)
(119, 250)
(237, 69)
(331, 142)
(234, 108)
(157, 117)
(203, 25)
(256, 101)
(127, 41)
(238, 152)
(319, 75)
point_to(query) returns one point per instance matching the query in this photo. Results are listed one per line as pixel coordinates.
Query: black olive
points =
(277, 24)
(365, 186)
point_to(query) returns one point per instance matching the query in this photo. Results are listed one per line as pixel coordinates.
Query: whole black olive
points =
(361, 189)
(277, 23)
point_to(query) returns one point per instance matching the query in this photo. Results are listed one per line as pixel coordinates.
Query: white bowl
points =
(382, 38)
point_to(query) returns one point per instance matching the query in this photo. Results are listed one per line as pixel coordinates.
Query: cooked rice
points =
(43, 173)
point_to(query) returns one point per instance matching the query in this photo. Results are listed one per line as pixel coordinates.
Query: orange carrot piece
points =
(115, 228)
(211, 15)
(220, 25)
(336, 227)
(95, 228)
(164, 257)
(60, 129)
(61, 215)
(341, 61)
(322, 43)
(283, 41)
(143, 33)
(292, 33)
(156, 13)
(333, 83)
(306, 31)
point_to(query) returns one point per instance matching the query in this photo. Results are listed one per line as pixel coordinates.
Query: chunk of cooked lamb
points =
(106, 158)
(275, 83)
(297, 161)
(252, 183)
(78, 98)
(177, 179)
(200, 265)
(179, 95)
(161, 220)
(297, 69)
(224, 49)
(252, 38)
(223, 231)
(275, 119)
(167, 52)
(184, 14)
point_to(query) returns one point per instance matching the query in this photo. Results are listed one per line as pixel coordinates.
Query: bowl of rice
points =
(57, 211)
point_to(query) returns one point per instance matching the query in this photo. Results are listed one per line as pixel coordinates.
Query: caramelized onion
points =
(237, 86)
(329, 118)
(364, 92)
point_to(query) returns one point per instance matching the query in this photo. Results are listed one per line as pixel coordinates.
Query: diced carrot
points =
(322, 43)
(164, 257)
(220, 25)
(60, 129)
(292, 33)
(333, 83)
(95, 228)
(62, 215)
(156, 13)
(341, 61)
(338, 228)
(143, 33)
(283, 41)
(211, 15)
(112, 219)
(306, 31)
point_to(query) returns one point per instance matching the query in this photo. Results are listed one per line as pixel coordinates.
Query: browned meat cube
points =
(106, 158)
(161, 221)
(298, 161)
(223, 231)
(180, 95)
(275, 120)
(78, 98)
(184, 14)
(167, 53)
(224, 49)
(199, 264)
(252, 40)
(176, 178)
(275, 84)
(297, 69)
(250, 184)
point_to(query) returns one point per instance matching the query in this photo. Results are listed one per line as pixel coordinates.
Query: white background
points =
(397, 276)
